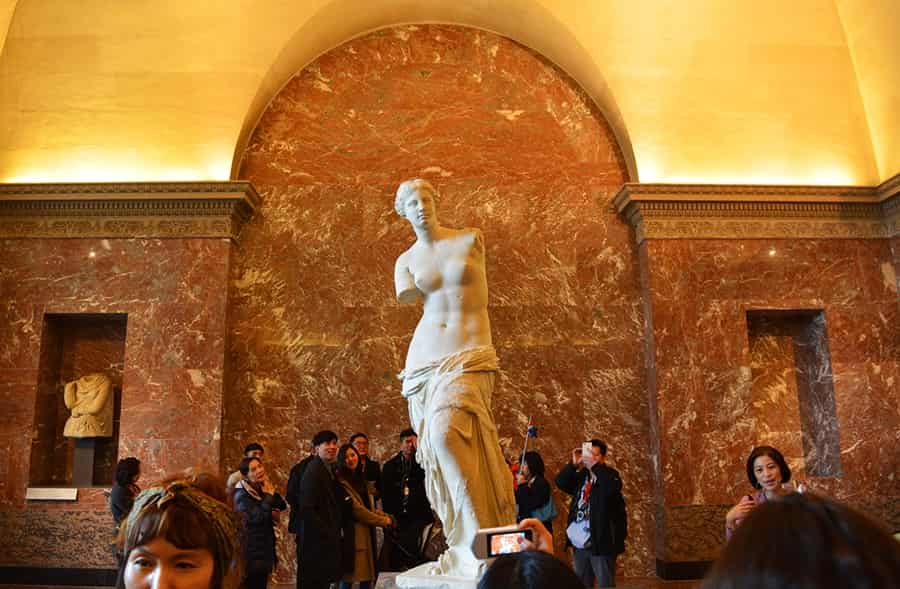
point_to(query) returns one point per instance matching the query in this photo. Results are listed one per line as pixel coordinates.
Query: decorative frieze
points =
(708, 211)
(139, 209)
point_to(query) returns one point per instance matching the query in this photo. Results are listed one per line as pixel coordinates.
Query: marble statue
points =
(451, 367)
(90, 399)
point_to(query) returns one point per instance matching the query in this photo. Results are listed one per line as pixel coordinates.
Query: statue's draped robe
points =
(467, 480)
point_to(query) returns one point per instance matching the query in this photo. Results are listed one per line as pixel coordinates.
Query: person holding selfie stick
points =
(597, 525)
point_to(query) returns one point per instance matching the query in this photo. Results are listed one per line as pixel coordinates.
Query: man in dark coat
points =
(320, 517)
(597, 525)
(403, 497)
(369, 470)
(293, 498)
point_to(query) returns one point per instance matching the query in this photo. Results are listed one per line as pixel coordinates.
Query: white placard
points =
(51, 494)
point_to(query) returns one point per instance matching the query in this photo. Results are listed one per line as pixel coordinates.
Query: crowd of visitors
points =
(194, 531)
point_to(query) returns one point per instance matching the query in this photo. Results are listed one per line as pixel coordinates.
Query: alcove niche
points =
(793, 388)
(73, 346)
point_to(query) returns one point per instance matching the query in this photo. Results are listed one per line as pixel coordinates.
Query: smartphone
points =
(586, 448)
(492, 542)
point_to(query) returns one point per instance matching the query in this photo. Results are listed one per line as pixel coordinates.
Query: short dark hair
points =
(408, 432)
(252, 447)
(326, 435)
(599, 444)
(126, 469)
(531, 569)
(244, 466)
(535, 463)
(774, 455)
(806, 541)
(358, 435)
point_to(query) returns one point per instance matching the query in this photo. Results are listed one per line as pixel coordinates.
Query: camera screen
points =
(506, 543)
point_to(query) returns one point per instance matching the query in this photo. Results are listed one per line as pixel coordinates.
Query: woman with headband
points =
(177, 535)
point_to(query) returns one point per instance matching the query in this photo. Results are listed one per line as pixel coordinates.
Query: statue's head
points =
(412, 189)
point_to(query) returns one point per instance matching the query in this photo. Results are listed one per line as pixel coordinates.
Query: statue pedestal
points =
(420, 578)
(83, 464)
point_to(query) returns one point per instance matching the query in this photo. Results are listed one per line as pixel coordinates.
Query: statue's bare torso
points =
(449, 275)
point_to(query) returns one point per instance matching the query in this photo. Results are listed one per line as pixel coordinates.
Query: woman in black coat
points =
(123, 492)
(256, 500)
(533, 497)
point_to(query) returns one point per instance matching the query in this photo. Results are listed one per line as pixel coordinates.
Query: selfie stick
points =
(530, 432)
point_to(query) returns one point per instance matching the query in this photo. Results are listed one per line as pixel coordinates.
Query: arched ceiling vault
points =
(806, 92)
(531, 24)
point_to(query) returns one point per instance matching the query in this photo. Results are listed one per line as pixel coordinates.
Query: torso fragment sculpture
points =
(90, 399)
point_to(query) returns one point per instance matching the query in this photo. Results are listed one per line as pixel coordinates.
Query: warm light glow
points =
(92, 254)
(774, 173)
(87, 173)
(88, 165)
(772, 252)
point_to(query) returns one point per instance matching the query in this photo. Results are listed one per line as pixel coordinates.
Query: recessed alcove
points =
(72, 346)
(793, 388)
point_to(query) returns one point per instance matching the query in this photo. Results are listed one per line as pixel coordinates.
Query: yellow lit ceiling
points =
(799, 92)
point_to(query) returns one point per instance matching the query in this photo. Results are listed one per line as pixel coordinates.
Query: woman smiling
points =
(255, 498)
(768, 472)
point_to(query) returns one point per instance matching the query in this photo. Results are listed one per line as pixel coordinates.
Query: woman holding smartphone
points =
(768, 472)
(255, 498)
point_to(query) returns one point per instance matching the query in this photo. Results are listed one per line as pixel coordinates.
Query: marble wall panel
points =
(887, 271)
(711, 404)
(174, 293)
(516, 149)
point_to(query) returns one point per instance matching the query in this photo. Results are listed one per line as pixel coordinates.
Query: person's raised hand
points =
(541, 539)
(739, 511)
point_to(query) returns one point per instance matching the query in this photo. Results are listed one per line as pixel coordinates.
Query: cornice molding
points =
(129, 209)
(720, 211)
(889, 188)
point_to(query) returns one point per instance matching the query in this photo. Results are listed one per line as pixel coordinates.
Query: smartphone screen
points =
(506, 542)
(586, 448)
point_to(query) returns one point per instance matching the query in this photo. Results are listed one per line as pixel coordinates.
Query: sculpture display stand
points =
(422, 577)
(451, 368)
(83, 462)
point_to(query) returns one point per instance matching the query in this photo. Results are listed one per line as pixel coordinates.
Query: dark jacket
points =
(417, 508)
(120, 500)
(320, 522)
(609, 523)
(259, 529)
(370, 470)
(530, 498)
(293, 493)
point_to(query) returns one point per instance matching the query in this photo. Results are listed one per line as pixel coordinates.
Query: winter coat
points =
(609, 524)
(259, 529)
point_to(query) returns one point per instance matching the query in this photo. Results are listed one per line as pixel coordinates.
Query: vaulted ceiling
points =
(801, 92)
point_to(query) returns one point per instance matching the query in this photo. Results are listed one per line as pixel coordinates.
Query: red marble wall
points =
(515, 148)
(711, 413)
(895, 250)
(174, 293)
